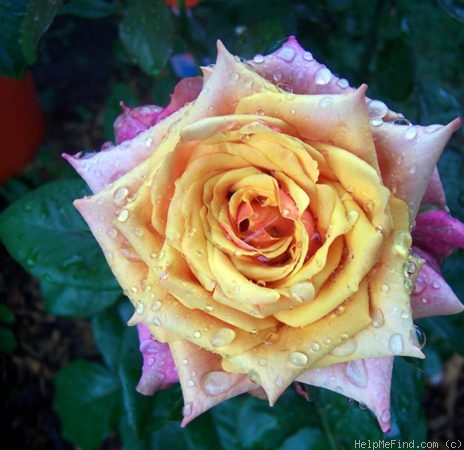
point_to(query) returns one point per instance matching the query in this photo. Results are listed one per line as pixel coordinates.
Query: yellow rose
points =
(264, 235)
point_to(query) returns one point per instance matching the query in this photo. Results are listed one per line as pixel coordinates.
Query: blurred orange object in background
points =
(21, 125)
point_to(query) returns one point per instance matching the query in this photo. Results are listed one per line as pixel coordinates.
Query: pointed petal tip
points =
(456, 124)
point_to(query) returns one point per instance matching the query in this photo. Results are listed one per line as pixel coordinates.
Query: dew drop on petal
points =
(187, 409)
(323, 76)
(410, 133)
(140, 308)
(325, 101)
(259, 59)
(377, 109)
(377, 318)
(315, 346)
(112, 232)
(254, 376)
(343, 83)
(234, 76)
(222, 337)
(385, 288)
(302, 292)
(123, 215)
(262, 361)
(215, 383)
(307, 56)
(156, 305)
(120, 195)
(436, 284)
(286, 54)
(156, 321)
(376, 122)
(418, 337)
(356, 373)
(190, 383)
(395, 344)
(298, 358)
(197, 334)
(385, 416)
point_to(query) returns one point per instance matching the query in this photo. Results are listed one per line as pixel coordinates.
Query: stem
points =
(326, 427)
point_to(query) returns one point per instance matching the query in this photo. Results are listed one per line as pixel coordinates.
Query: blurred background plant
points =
(69, 363)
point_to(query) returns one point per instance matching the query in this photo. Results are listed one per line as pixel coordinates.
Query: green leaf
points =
(12, 60)
(147, 32)
(64, 300)
(455, 8)
(46, 235)
(88, 403)
(108, 330)
(395, 71)
(143, 413)
(306, 439)
(8, 342)
(89, 9)
(6, 316)
(37, 19)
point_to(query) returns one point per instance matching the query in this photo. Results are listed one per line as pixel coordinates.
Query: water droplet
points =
(262, 361)
(185, 362)
(259, 112)
(222, 337)
(356, 373)
(315, 347)
(258, 59)
(436, 284)
(377, 109)
(123, 215)
(156, 305)
(276, 76)
(187, 409)
(253, 376)
(197, 334)
(377, 318)
(120, 195)
(234, 76)
(190, 383)
(326, 101)
(302, 292)
(395, 344)
(385, 417)
(279, 382)
(140, 308)
(112, 232)
(208, 308)
(286, 54)
(339, 310)
(307, 56)
(410, 133)
(418, 337)
(148, 141)
(216, 382)
(156, 321)
(163, 275)
(298, 358)
(385, 288)
(343, 83)
(323, 76)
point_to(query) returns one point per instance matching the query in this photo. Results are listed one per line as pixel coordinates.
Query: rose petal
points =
(158, 370)
(433, 296)
(367, 381)
(135, 120)
(438, 233)
(408, 155)
(291, 67)
(204, 383)
(434, 194)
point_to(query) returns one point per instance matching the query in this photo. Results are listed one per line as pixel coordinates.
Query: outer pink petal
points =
(408, 155)
(135, 120)
(368, 381)
(158, 370)
(437, 233)
(204, 383)
(435, 195)
(185, 91)
(432, 295)
(293, 68)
